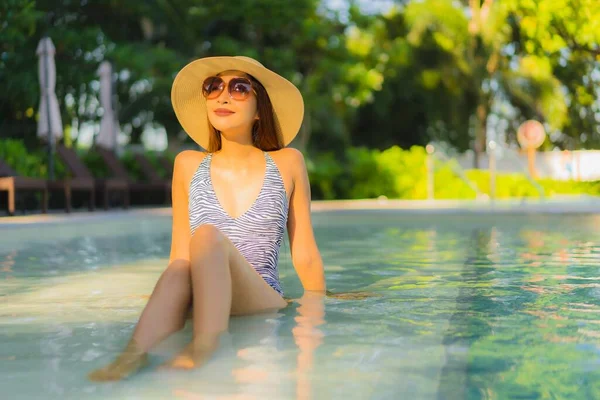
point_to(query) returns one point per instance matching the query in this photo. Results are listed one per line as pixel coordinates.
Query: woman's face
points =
(233, 118)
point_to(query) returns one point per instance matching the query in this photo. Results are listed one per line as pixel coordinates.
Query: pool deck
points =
(554, 205)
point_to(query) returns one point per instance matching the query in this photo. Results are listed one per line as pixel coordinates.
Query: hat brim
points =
(190, 105)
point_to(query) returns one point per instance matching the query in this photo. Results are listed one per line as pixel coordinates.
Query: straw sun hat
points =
(190, 105)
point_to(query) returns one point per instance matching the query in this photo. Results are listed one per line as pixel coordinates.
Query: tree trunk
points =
(480, 15)
(136, 135)
(479, 146)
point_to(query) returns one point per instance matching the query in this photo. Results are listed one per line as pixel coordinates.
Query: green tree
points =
(451, 65)
(422, 71)
(424, 96)
(561, 38)
(18, 21)
(149, 42)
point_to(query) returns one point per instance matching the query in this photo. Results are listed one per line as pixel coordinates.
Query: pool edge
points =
(562, 205)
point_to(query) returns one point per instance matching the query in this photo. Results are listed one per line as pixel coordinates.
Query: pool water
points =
(470, 306)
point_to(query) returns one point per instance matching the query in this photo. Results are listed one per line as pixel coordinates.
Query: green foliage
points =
(368, 173)
(148, 44)
(153, 159)
(562, 38)
(370, 179)
(401, 174)
(134, 170)
(29, 163)
(361, 173)
(552, 187)
(450, 66)
(325, 173)
(420, 71)
(396, 173)
(14, 153)
(507, 185)
(170, 157)
(33, 163)
(517, 185)
(95, 164)
(448, 185)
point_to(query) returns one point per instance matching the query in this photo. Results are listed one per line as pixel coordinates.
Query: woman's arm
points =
(180, 237)
(305, 253)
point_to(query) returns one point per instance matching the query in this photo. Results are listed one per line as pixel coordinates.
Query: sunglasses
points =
(239, 88)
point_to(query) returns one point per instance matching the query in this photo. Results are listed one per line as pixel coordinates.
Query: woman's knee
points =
(205, 241)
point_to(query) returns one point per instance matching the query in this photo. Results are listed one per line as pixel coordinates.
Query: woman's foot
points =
(194, 355)
(129, 361)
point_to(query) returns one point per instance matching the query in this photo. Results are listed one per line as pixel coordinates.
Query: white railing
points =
(432, 154)
(492, 146)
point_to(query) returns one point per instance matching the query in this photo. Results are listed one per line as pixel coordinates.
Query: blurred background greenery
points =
(375, 75)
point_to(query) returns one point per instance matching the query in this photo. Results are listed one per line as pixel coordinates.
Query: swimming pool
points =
(472, 306)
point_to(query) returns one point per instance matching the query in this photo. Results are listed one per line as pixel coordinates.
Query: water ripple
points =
(469, 307)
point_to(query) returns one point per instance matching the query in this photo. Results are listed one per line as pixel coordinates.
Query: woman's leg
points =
(223, 284)
(164, 314)
(167, 308)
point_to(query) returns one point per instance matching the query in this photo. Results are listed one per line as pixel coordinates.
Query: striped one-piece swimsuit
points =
(257, 233)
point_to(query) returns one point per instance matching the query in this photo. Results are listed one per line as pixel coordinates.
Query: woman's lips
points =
(223, 112)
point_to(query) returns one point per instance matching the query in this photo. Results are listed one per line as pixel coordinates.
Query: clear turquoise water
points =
(471, 307)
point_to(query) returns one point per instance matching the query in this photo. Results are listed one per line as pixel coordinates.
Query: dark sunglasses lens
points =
(212, 87)
(240, 88)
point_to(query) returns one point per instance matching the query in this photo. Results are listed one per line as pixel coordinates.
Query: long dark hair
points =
(266, 132)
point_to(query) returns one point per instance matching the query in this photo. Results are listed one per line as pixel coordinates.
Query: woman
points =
(231, 205)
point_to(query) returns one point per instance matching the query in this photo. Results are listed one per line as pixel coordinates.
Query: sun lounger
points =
(12, 183)
(83, 178)
(118, 170)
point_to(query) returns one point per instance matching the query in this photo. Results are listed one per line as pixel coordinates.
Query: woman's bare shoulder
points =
(288, 159)
(186, 164)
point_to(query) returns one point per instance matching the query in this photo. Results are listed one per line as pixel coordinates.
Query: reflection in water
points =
(520, 308)
(257, 359)
(532, 348)
(308, 337)
(467, 323)
(7, 264)
(259, 371)
(263, 358)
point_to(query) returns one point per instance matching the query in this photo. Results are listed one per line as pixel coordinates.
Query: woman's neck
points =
(237, 151)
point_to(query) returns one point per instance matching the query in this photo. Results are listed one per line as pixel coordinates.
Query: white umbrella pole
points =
(49, 114)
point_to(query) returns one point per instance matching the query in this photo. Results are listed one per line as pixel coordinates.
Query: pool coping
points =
(555, 205)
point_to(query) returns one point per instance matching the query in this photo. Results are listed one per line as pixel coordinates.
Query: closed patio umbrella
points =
(50, 124)
(109, 126)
